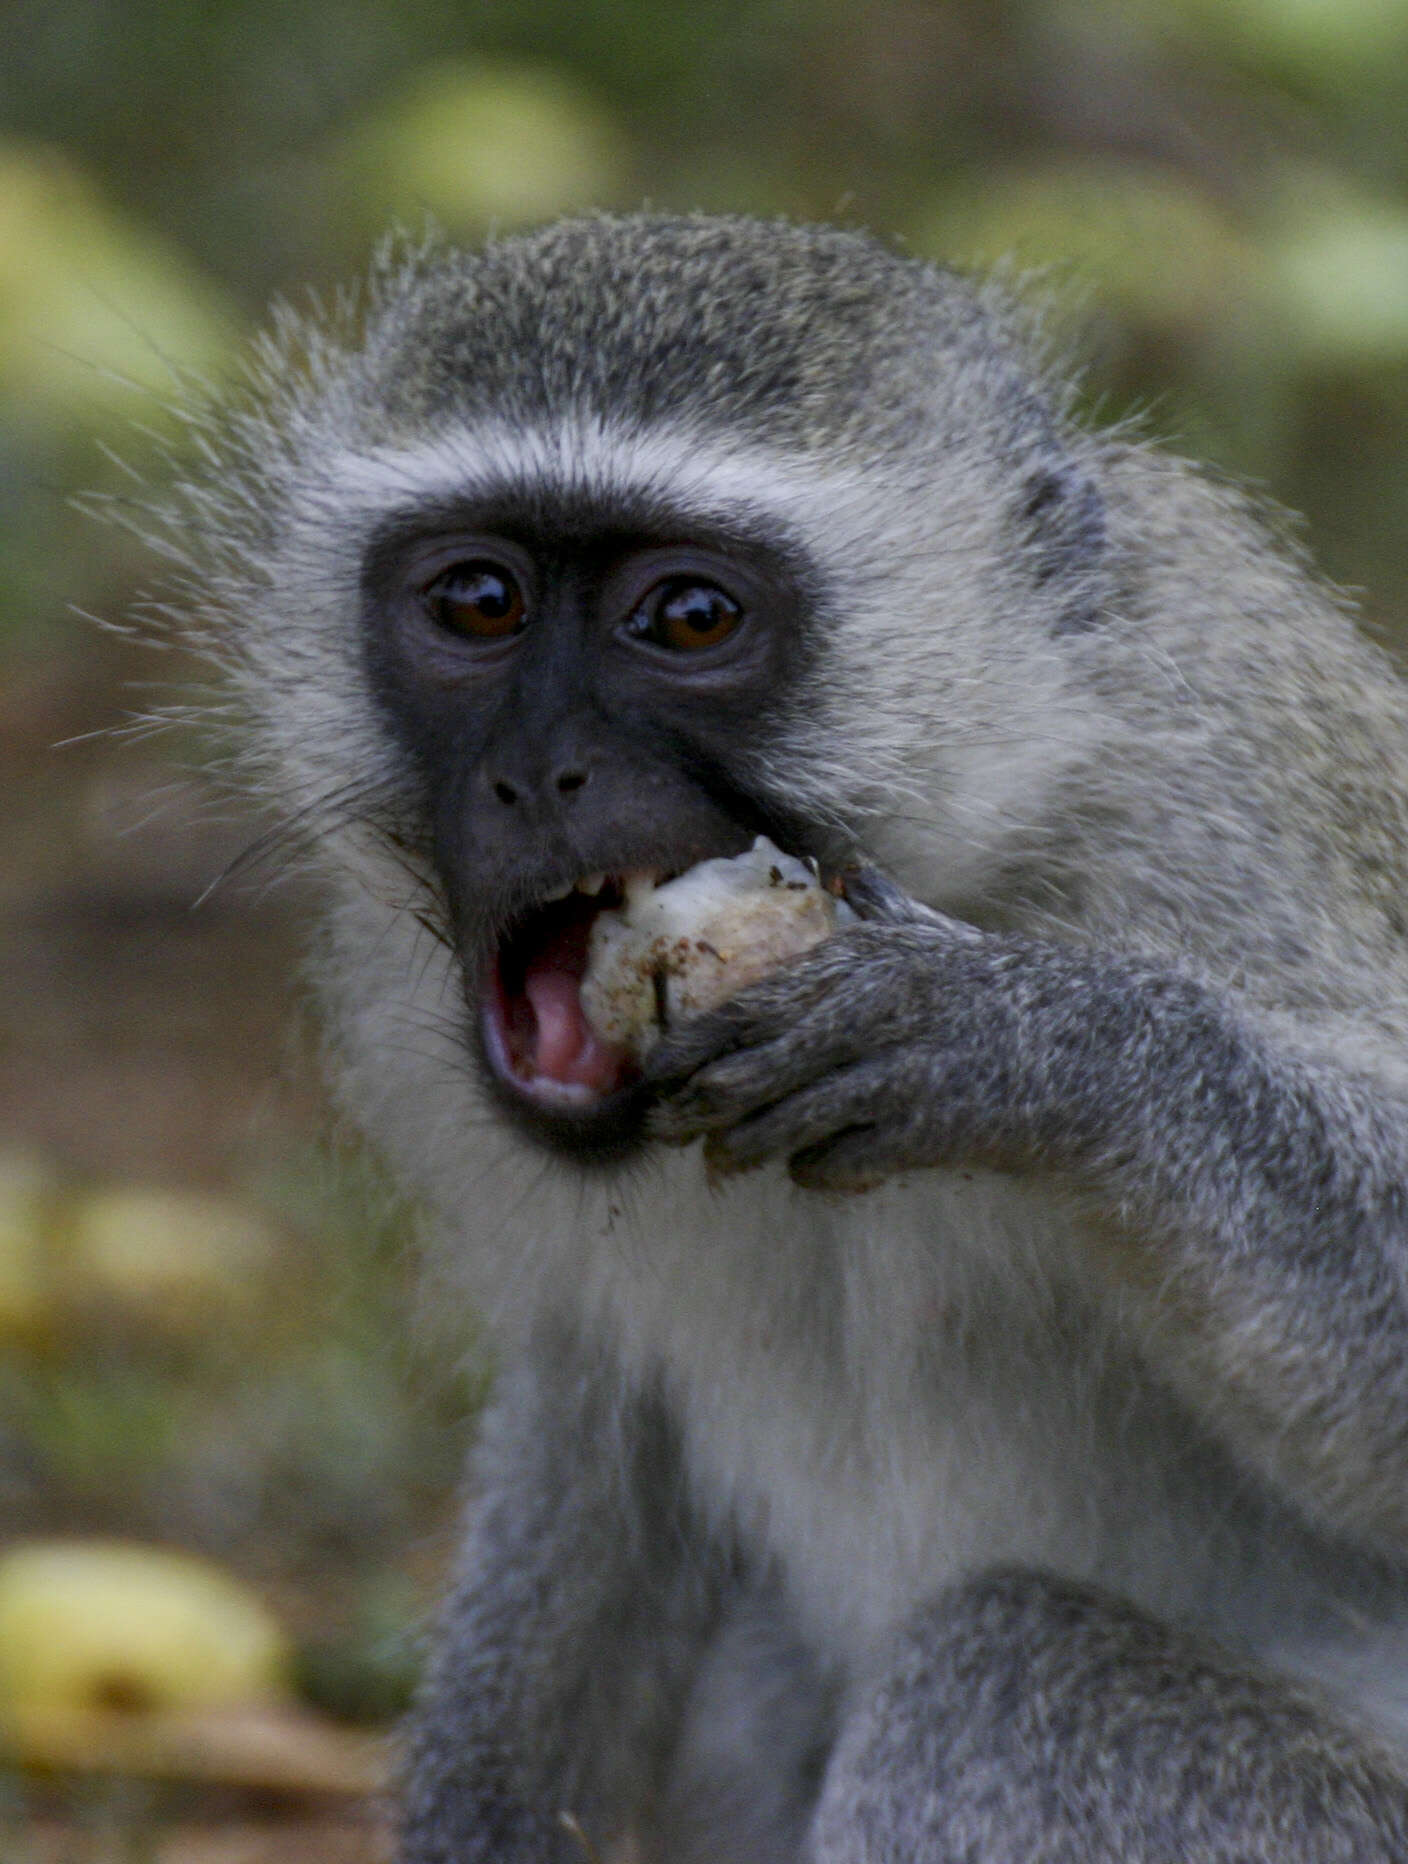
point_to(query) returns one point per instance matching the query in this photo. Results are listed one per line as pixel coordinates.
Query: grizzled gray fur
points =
(954, 1403)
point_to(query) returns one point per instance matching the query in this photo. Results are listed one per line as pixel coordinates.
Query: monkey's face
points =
(583, 692)
(606, 550)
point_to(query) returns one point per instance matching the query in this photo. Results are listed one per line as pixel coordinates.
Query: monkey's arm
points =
(1255, 1199)
(569, 1634)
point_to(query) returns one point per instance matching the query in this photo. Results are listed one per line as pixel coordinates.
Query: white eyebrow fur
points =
(588, 456)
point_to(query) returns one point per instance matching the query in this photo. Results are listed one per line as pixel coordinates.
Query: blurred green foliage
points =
(1217, 191)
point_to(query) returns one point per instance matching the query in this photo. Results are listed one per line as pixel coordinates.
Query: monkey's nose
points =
(565, 781)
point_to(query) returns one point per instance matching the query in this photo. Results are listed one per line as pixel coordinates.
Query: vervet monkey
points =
(991, 1442)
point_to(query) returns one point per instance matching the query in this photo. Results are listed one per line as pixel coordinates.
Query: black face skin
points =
(580, 690)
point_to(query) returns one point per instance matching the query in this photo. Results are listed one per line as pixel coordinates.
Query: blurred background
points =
(209, 1340)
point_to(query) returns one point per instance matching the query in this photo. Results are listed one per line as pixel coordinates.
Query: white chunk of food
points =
(674, 951)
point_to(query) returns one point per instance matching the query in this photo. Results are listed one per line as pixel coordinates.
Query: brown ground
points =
(140, 1034)
(141, 1038)
(297, 1840)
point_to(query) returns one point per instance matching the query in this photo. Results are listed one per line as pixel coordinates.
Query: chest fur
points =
(881, 1393)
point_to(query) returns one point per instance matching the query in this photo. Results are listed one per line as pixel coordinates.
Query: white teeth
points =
(646, 880)
(643, 881)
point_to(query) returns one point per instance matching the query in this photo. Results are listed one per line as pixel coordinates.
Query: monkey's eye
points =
(686, 615)
(477, 598)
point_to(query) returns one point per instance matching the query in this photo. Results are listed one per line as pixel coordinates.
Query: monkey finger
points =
(872, 895)
(757, 1034)
(855, 1096)
(916, 1128)
(814, 990)
(857, 1159)
(878, 900)
(881, 901)
(719, 1095)
(683, 1050)
(735, 1086)
(845, 1164)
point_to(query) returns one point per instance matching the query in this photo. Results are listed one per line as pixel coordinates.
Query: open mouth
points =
(536, 1036)
(580, 1089)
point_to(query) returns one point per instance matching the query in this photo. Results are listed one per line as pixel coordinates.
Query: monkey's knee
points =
(1025, 1718)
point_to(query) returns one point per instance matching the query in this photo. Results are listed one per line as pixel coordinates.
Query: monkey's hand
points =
(1233, 1172)
(910, 1040)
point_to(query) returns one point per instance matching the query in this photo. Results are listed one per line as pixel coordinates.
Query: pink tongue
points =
(566, 1049)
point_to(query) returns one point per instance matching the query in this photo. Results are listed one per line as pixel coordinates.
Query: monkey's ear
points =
(1062, 519)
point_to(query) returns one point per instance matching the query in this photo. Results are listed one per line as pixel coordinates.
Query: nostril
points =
(571, 780)
(505, 792)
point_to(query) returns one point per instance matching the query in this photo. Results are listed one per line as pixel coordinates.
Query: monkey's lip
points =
(536, 1038)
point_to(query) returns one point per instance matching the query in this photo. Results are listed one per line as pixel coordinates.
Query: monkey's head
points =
(610, 547)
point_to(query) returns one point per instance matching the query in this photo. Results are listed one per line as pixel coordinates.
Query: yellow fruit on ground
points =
(178, 1257)
(95, 1626)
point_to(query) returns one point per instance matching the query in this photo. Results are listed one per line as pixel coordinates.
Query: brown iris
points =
(687, 615)
(477, 598)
